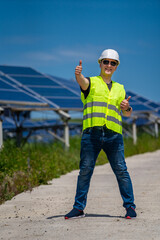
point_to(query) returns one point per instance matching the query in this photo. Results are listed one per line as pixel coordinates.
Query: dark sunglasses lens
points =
(113, 64)
(105, 62)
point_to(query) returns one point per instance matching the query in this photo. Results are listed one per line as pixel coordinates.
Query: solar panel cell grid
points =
(4, 85)
(8, 80)
(16, 96)
(154, 105)
(18, 70)
(68, 103)
(141, 107)
(141, 99)
(36, 81)
(53, 92)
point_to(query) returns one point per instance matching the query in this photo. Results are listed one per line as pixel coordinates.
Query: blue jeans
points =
(93, 140)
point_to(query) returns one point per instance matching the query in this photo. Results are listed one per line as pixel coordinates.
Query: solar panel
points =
(140, 103)
(19, 96)
(4, 85)
(48, 91)
(68, 103)
(11, 92)
(141, 107)
(30, 80)
(141, 99)
(18, 70)
(69, 83)
(51, 90)
(153, 105)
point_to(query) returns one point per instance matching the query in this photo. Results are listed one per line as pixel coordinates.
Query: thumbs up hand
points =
(125, 104)
(82, 81)
(78, 69)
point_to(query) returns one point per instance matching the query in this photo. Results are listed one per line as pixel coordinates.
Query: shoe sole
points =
(128, 217)
(81, 216)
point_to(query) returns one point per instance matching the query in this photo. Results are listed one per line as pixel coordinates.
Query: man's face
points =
(107, 67)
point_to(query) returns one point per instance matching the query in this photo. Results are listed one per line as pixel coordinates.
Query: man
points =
(103, 101)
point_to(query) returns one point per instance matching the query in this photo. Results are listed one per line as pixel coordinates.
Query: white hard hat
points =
(109, 53)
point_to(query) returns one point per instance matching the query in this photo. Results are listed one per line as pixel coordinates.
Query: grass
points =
(22, 169)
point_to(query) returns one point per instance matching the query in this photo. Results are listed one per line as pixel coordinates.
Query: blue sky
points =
(52, 36)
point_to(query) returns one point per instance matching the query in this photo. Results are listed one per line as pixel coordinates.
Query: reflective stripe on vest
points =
(101, 104)
(102, 115)
(91, 115)
(109, 118)
(98, 104)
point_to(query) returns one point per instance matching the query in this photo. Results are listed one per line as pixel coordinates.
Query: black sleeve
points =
(86, 92)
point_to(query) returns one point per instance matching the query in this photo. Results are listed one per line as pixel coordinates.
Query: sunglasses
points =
(106, 62)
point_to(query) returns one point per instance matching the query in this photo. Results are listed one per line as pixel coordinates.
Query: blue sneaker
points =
(74, 213)
(131, 213)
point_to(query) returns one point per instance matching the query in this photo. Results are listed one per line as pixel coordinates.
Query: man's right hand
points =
(82, 81)
(78, 69)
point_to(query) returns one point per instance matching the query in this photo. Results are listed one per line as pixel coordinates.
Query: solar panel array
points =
(27, 84)
(140, 103)
(142, 108)
(45, 88)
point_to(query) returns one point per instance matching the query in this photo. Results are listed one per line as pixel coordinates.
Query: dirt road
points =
(39, 215)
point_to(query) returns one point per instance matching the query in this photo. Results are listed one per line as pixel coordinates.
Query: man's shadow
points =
(90, 215)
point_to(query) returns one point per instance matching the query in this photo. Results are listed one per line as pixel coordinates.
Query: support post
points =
(156, 129)
(1, 129)
(1, 134)
(19, 136)
(66, 135)
(134, 129)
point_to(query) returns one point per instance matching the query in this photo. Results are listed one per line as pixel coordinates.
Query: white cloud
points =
(86, 53)
(41, 56)
(63, 53)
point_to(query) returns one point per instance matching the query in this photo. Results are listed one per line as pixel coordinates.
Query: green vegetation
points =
(22, 169)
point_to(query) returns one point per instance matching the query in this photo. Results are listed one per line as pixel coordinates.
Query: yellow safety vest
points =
(102, 106)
